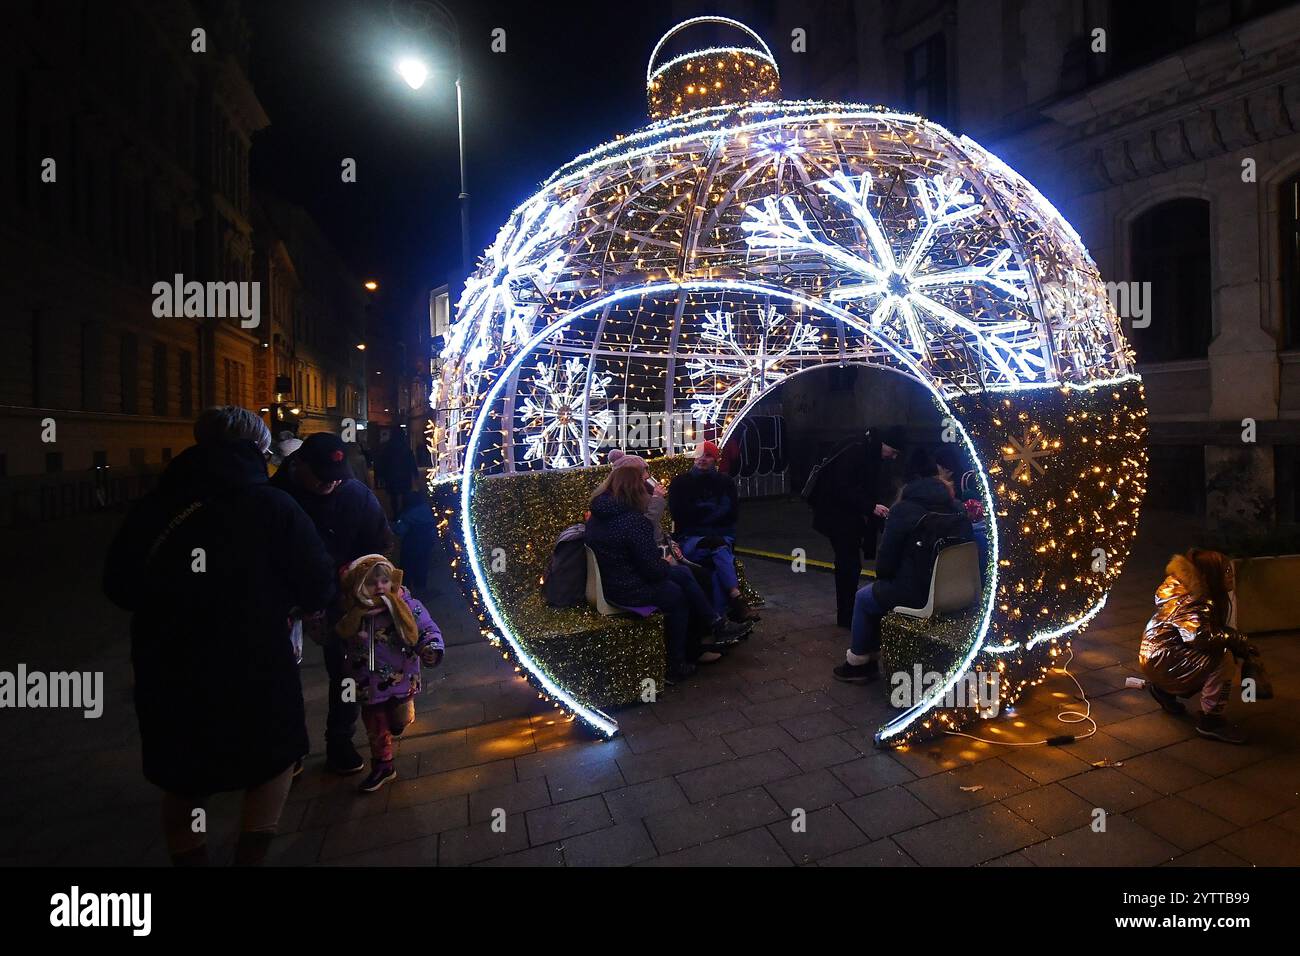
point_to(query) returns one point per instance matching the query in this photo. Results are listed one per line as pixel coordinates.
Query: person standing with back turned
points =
(848, 502)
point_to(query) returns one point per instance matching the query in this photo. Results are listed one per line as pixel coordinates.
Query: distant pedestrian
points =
(417, 528)
(210, 564)
(351, 523)
(396, 470)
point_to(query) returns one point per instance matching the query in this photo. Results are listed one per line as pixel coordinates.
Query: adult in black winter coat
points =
(351, 522)
(210, 565)
(902, 571)
(849, 506)
(635, 573)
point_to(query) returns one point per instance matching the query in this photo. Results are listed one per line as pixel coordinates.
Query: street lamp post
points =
(429, 16)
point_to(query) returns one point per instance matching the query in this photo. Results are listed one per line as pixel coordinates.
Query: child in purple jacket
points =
(387, 634)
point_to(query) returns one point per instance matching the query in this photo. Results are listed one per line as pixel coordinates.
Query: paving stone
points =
(809, 791)
(1152, 731)
(825, 832)
(584, 782)
(563, 820)
(1264, 844)
(795, 705)
(1123, 843)
(1279, 776)
(657, 737)
(757, 739)
(717, 723)
(580, 757)
(821, 752)
(753, 848)
(396, 826)
(548, 854)
(638, 768)
(419, 852)
(966, 839)
(984, 782)
(512, 798)
(1233, 802)
(628, 804)
(1051, 809)
(1109, 789)
(1215, 758)
(1183, 824)
(424, 789)
(620, 845)
(880, 853)
(808, 726)
(733, 775)
(703, 822)
(871, 773)
(478, 841)
(758, 692)
(887, 812)
(1162, 772)
(292, 849)
(1209, 855)
(1044, 765)
(1016, 859)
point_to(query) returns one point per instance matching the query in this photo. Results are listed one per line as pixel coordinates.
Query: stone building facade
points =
(128, 165)
(1168, 133)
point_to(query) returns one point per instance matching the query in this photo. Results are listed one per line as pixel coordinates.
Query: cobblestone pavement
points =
(710, 774)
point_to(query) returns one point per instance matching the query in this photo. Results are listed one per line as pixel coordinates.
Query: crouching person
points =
(387, 634)
(1188, 647)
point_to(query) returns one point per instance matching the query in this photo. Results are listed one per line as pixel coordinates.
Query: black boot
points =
(1169, 702)
(342, 758)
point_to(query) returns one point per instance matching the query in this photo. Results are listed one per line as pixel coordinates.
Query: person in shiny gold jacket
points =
(1188, 646)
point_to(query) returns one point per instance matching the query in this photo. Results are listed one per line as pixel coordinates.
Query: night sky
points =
(572, 77)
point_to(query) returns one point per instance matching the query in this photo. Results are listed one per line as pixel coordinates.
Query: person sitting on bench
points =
(634, 572)
(704, 504)
(903, 569)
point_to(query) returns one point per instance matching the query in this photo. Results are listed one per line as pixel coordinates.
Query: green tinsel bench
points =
(603, 661)
(937, 643)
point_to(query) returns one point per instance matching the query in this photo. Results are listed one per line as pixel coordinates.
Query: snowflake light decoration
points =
(510, 283)
(561, 427)
(899, 290)
(742, 371)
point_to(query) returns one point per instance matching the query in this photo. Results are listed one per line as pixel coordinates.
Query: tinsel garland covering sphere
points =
(656, 288)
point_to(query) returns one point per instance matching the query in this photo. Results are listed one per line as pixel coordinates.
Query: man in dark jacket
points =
(903, 570)
(849, 506)
(351, 522)
(705, 505)
(210, 565)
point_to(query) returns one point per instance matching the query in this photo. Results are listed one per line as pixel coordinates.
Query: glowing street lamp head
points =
(371, 285)
(413, 71)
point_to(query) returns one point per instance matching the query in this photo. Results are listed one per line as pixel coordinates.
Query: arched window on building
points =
(1170, 248)
(1289, 260)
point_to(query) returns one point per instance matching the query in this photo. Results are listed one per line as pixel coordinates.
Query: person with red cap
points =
(704, 505)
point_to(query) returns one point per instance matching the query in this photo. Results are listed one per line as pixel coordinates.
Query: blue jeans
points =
(866, 622)
(678, 597)
(724, 567)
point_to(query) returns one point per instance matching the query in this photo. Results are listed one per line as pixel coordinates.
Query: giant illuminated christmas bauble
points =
(688, 268)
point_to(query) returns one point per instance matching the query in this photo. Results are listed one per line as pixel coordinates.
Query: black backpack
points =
(565, 583)
(934, 531)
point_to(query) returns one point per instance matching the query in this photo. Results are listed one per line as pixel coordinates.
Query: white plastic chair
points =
(596, 593)
(954, 582)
